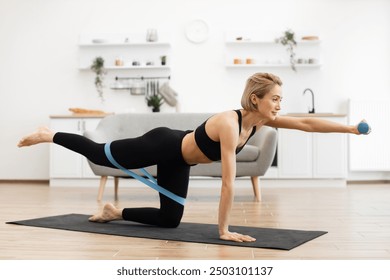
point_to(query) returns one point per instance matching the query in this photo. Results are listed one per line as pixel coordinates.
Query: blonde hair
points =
(259, 84)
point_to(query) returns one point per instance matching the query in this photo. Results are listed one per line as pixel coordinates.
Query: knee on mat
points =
(170, 222)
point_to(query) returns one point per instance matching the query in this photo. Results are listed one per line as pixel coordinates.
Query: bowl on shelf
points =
(99, 41)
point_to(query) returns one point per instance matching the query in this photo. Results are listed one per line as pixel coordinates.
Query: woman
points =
(220, 137)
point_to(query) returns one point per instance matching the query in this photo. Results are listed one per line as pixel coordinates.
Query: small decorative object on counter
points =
(89, 112)
(153, 98)
(98, 68)
(288, 39)
(237, 61)
(155, 101)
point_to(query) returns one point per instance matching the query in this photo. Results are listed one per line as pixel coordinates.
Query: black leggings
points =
(160, 146)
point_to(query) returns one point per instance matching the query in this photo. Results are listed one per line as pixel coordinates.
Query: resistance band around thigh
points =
(151, 182)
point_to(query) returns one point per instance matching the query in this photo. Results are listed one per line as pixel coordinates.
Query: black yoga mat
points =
(283, 239)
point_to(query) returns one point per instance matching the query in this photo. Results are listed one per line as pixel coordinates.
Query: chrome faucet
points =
(312, 111)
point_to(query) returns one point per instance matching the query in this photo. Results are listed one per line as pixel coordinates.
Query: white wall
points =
(39, 59)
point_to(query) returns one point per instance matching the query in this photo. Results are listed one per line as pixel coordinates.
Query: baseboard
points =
(243, 182)
(364, 182)
(202, 182)
(29, 181)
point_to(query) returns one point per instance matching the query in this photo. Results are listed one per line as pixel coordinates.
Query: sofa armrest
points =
(267, 142)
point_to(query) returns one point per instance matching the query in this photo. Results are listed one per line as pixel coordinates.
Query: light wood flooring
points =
(357, 219)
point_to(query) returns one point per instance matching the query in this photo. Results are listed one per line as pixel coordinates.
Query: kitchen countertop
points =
(315, 115)
(106, 114)
(70, 116)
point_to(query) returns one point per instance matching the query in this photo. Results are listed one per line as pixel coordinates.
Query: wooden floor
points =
(357, 219)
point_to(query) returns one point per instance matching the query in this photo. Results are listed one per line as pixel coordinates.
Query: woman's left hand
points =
(237, 237)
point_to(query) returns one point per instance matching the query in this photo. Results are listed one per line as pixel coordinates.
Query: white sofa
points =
(253, 161)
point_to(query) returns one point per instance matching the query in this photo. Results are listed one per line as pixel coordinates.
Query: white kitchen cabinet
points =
(312, 155)
(65, 163)
(329, 156)
(294, 154)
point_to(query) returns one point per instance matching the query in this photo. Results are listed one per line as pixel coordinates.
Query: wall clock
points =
(197, 31)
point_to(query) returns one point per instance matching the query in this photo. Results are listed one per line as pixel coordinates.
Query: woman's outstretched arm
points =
(312, 124)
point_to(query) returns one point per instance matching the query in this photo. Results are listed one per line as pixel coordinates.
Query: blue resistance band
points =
(151, 182)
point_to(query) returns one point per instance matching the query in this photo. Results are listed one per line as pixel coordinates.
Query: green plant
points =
(98, 68)
(155, 101)
(288, 39)
(163, 59)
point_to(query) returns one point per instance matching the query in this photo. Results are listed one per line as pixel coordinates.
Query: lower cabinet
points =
(312, 155)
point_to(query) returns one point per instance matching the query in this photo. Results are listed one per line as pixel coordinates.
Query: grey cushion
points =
(248, 153)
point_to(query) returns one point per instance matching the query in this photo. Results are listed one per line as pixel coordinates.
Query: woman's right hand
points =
(237, 237)
(363, 128)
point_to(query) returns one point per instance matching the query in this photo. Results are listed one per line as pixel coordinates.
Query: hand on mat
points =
(237, 237)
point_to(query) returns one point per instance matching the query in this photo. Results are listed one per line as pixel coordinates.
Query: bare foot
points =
(109, 213)
(41, 135)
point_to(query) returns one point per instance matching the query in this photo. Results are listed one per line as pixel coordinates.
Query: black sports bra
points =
(211, 148)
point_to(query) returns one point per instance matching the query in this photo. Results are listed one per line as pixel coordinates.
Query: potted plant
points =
(155, 101)
(288, 39)
(98, 68)
(163, 60)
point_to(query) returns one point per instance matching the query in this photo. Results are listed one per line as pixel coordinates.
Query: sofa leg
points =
(103, 181)
(256, 189)
(116, 185)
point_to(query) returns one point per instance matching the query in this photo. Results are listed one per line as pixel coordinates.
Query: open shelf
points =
(130, 44)
(272, 65)
(250, 42)
(131, 67)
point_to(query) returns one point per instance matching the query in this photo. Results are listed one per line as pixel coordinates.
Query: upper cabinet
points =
(133, 51)
(253, 49)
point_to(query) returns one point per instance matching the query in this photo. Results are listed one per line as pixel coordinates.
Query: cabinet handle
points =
(78, 126)
(84, 126)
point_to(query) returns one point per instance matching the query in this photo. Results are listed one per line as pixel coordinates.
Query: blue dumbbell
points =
(364, 128)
